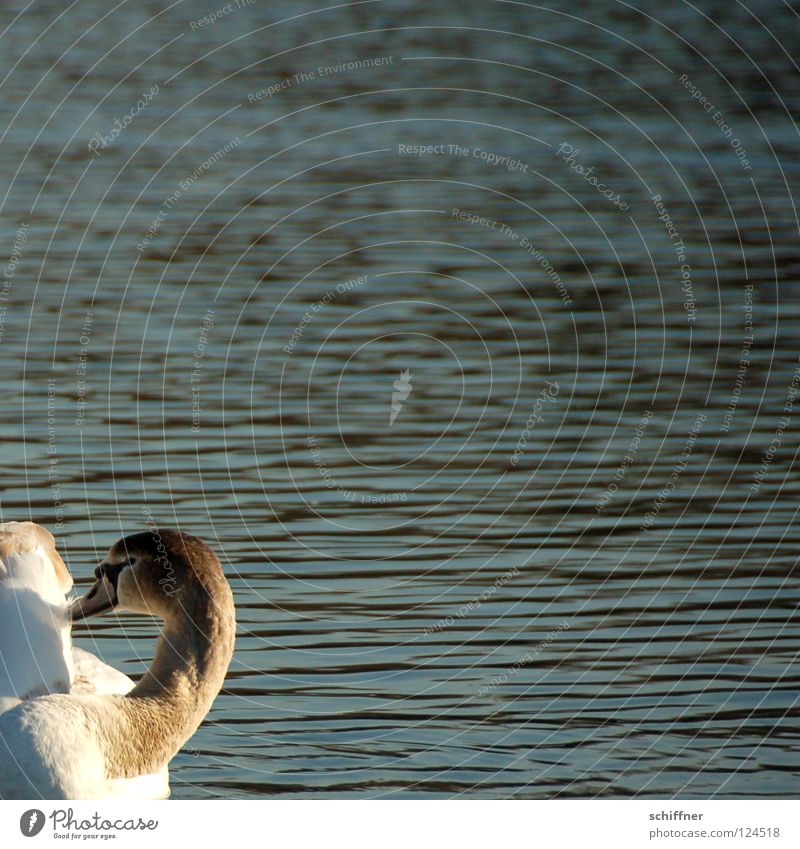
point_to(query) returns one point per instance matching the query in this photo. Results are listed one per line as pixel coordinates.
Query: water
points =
(423, 612)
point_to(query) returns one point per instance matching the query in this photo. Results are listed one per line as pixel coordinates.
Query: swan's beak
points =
(100, 598)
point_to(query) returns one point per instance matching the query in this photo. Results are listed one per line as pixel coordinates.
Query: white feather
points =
(35, 650)
(36, 659)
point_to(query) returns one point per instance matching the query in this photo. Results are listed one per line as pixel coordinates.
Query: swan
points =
(88, 745)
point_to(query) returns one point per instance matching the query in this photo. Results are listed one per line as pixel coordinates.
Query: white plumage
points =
(37, 658)
(35, 646)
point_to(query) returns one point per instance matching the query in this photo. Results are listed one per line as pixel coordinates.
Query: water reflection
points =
(470, 598)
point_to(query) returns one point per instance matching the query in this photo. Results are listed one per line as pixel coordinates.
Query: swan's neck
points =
(173, 697)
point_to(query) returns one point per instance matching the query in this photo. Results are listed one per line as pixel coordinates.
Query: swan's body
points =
(90, 745)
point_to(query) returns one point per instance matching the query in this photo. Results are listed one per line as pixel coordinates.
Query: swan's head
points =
(28, 556)
(155, 572)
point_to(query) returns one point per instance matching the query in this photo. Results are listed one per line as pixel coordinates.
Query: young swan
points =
(86, 746)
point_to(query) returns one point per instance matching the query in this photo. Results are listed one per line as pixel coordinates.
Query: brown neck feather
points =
(166, 707)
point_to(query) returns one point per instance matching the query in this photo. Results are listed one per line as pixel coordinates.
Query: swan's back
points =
(36, 655)
(47, 751)
(56, 747)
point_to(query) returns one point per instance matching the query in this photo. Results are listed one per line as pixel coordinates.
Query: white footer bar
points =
(462, 824)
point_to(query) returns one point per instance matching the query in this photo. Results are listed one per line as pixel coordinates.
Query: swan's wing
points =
(35, 656)
(34, 646)
(8, 702)
(28, 538)
(93, 677)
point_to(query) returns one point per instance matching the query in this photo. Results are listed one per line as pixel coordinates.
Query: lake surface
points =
(499, 452)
